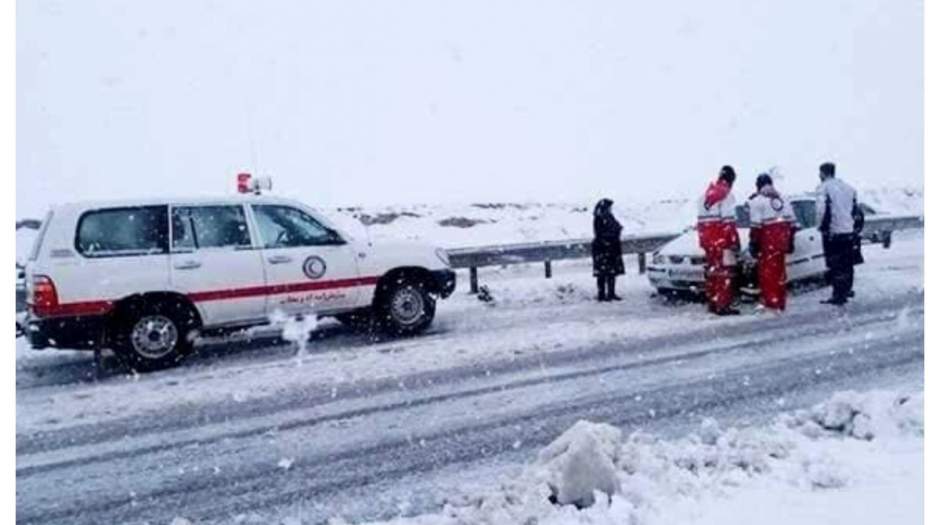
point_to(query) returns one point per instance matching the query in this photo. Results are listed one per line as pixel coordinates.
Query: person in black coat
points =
(606, 250)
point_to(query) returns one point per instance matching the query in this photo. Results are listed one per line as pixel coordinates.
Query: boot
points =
(602, 289)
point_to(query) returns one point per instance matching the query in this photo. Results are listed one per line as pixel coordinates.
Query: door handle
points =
(279, 259)
(187, 265)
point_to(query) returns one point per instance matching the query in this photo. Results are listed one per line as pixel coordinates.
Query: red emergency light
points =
(244, 183)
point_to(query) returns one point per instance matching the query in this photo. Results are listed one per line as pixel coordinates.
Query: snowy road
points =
(373, 429)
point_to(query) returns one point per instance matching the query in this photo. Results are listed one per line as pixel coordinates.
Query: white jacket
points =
(840, 198)
(722, 211)
(766, 209)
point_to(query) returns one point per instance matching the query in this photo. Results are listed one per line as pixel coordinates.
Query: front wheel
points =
(406, 308)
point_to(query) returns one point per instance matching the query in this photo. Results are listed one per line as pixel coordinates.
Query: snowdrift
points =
(589, 476)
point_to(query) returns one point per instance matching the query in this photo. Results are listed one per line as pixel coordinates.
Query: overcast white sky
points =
(359, 102)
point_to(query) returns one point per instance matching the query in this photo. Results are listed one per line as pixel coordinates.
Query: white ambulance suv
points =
(145, 278)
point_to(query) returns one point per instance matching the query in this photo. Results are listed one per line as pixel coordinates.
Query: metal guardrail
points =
(877, 230)
(546, 252)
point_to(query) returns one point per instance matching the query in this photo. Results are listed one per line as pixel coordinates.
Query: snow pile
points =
(581, 462)
(861, 416)
(646, 480)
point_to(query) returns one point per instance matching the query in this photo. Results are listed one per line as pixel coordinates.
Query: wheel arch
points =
(175, 299)
(402, 274)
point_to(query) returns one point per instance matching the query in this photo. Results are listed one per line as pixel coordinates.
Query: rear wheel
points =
(406, 308)
(151, 336)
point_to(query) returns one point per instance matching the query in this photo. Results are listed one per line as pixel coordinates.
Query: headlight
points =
(442, 255)
(659, 258)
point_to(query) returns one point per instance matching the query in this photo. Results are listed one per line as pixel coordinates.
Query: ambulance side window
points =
(115, 232)
(201, 227)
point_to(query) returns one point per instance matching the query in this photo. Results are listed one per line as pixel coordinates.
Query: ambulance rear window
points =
(116, 232)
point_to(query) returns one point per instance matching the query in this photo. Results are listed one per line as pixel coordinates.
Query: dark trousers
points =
(840, 259)
(606, 287)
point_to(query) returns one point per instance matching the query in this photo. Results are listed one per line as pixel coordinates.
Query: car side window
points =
(287, 227)
(112, 232)
(200, 227)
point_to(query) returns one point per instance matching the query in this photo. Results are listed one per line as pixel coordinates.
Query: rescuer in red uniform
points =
(771, 239)
(718, 236)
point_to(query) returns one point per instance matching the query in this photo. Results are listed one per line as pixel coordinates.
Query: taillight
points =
(42, 297)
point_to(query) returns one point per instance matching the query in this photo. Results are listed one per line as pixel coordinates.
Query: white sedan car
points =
(679, 266)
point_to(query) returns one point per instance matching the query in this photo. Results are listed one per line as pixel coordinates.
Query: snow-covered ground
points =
(367, 429)
(856, 458)
(467, 333)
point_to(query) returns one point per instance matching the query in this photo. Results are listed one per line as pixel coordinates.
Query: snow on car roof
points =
(157, 201)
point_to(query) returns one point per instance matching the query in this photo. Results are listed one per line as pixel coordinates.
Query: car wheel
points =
(151, 336)
(406, 308)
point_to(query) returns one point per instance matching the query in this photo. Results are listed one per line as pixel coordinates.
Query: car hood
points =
(384, 254)
(687, 243)
(397, 246)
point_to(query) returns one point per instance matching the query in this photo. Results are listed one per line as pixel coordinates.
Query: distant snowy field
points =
(480, 224)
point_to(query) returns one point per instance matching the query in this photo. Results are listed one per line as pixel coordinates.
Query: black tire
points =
(405, 308)
(149, 336)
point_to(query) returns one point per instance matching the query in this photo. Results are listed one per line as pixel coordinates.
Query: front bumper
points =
(664, 278)
(669, 279)
(445, 282)
(76, 333)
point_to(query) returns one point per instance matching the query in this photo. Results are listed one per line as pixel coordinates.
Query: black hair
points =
(603, 206)
(727, 174)
(828, 169)
(763, 180)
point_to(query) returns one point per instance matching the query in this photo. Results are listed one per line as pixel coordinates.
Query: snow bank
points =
(646, 480)
(478, 224)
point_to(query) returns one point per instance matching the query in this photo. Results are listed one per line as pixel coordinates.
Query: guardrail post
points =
(548, 269)
(641, 261)
(474, 285)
